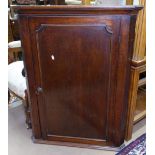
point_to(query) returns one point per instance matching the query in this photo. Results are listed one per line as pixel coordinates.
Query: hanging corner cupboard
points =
(77, 61)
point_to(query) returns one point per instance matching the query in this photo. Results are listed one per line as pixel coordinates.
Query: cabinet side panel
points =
(133, 81)
(29, 69)
(122, 82)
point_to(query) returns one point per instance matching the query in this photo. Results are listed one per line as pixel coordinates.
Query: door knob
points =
(39, 90)
(52, 57)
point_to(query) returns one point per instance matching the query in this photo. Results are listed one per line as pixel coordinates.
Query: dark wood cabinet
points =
(77, 61)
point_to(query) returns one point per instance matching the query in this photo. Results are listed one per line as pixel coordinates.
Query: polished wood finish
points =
(106, 146)
(77, 86)
(77, 62)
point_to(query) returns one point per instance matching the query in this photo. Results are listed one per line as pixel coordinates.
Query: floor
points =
(20, 142)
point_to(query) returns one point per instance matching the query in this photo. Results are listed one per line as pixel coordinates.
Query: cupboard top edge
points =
(53, 9)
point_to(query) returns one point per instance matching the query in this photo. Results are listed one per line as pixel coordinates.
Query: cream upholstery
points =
(73, 2)
(16, 82)
(110, 2)
(76, 2)
(14, 44)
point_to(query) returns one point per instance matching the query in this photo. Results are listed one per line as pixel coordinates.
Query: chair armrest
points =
(14, 46)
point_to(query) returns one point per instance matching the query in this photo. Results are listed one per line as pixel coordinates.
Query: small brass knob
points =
(39, 90)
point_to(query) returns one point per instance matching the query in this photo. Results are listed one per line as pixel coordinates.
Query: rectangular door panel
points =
(73, 62)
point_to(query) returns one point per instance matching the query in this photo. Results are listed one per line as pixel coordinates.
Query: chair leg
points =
(27, 112)
(26, 109)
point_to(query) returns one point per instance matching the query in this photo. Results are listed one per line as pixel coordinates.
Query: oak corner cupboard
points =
(77, 61)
